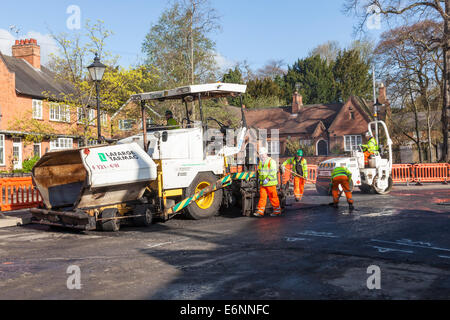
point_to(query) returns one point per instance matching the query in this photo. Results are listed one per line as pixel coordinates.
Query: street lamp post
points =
(96, 70)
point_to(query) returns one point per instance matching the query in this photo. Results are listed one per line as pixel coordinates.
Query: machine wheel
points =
(207, 206)
(321, 190)
(112, 224)
(365, 188)
(382, 191)
(147, 216)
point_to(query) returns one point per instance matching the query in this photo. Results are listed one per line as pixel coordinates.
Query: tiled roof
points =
(306, 121)
(34, 82)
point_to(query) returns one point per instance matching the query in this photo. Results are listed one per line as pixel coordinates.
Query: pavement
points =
(395, 246)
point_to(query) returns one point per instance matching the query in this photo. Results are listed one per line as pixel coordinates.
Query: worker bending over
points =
(268, 180)
(370, 148)
(299, 171)
(171, 122)
(341, 176)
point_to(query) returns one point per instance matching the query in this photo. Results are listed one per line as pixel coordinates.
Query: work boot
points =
(351, 207)
(275, 215)
(334, 205)
(297, 199)
(257, 214)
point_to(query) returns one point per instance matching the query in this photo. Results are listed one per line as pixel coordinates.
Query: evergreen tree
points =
(352, 76)
(315, 80)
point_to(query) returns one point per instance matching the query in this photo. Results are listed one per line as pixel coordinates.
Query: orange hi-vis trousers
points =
(366, 158)
(299, 187)
(343, 181)
(273, 197)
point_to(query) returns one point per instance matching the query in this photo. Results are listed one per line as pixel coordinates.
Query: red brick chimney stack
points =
(28, 50)
(297, 102)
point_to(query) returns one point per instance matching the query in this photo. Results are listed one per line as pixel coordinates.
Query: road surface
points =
(401, 240)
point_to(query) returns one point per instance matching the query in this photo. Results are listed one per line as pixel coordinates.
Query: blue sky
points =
(256, 31)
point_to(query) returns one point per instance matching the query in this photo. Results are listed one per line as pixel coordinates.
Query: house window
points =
(126, 124)
(81, 116)
(352, 115)
(104, 119)
(274, 147)
(149, 122)
(59, 112)
(37, 109)
(90, 142)
(2, 149)
(37, 150)
(305, 142)
(61, 144)
(351, 142)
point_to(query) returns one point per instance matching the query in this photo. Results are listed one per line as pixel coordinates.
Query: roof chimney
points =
(382, 94)
(28, 50)
(297, 102)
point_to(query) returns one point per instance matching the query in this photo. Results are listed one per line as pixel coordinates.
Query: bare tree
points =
(272, 69)
(179, 44)
(328, 51)
(415, 11)
(412, 71)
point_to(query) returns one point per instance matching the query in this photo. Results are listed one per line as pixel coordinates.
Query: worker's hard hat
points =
(262, 150)
(169, 113)
(368, 134)
(300, 152)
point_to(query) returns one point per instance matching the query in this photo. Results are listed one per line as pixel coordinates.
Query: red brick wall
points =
(15, 107)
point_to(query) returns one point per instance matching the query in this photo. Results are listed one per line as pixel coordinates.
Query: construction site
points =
(162, 215)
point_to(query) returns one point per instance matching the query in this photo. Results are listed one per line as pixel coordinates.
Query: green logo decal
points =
(102, 157)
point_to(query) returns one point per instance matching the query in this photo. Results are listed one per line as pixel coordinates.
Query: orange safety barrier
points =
(312, 174)
(431, 172)
(18, 193)
(402, 173)
(236, 169)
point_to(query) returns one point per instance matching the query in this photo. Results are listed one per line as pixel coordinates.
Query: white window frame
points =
(91, 113)
(354, 141)
(104, 119)
(273, 147)
(2, 147)
(58, 112)
(126, 128)
(61, 144)
(40, 149)
(37, 109)
(305, 142)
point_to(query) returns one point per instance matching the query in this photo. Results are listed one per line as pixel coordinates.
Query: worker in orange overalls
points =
(268, 180)
(300, 173)
(370, 148)
(341, 176)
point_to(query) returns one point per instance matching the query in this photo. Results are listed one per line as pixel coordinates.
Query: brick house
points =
(329, 128)
(24, 88)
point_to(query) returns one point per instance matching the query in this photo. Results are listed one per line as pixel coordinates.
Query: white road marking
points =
(158, 244)
(292, 239)
(378, 214)
(317, 234)
(29, 236)
(410, 244)
(384, 250)
(444, 257)
(164, 243)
